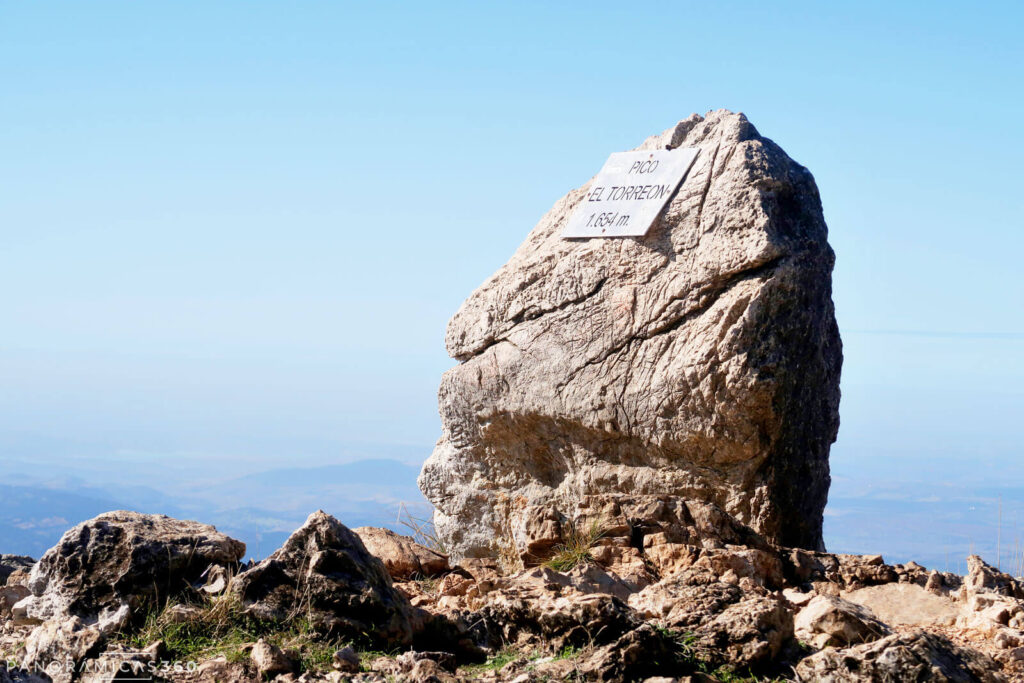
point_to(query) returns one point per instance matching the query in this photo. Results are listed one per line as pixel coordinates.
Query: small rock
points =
(11, 595)
(346, 660)
(833, 621)
(798, 598)
(269, 659)
(445, 660)
(219, 669)
(217, 579)
(402, 556)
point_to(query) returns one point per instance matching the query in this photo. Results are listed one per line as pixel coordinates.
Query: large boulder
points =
(324, 574)
(701, 360)
(108, 568)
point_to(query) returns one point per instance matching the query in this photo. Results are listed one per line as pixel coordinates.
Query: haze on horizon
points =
(233, 234)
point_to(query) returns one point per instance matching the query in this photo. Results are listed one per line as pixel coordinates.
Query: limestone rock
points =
(826, 621)
(346, 660)
(10, 564)
(59, 646)
(324, 573)
(748, 634)
(270, 660)
(11, 595)
(104, 569)
(219, 669)
(903, 604)
(984, 578)
(733, 626)
(402, 557)
(634, 656)
(701, 360)
(914, 656)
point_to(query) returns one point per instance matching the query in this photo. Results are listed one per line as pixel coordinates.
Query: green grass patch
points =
(220, 626)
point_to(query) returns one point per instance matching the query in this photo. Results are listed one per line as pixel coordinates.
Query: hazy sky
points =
(238, 229)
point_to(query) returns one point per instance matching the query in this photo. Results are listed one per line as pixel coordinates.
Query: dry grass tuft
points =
(576, 549)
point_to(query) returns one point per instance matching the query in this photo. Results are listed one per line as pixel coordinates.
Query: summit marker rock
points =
(701, 360)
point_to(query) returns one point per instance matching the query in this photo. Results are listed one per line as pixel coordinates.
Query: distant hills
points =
(261, 508)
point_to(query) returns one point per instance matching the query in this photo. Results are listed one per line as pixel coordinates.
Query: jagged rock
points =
(325, 573)
(915, 656)
(856, 571)
(538, 606)
(105, 569)
(59, 646)
(984, 578)
(682, 605)
(701, 360)
(748, 634)
(13, 563)
(269, 659)
(734, 626)
(828, 621)
(634, 656)
(402, 557)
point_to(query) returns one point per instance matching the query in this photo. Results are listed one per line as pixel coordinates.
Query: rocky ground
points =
(626, 588)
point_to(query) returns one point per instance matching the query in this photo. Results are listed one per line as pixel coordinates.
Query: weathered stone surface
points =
(270, 660)
(734, 627)
(106, 568)
(59, 646)
(906, 604)
(10, 596)
(750, 633)
(984, 578)
(324, 573)
(701, 360)
(916, 656)
(402, 557)
(826, 621)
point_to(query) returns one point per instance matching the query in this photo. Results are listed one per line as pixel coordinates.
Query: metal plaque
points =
(629, 193)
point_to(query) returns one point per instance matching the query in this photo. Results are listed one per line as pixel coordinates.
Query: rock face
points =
(324, 573)
(700, 361)
(110, 566)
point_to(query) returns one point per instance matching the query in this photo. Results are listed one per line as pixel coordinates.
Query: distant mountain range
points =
(261, 508)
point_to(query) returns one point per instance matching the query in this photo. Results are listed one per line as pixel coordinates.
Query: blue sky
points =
(236, 231)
